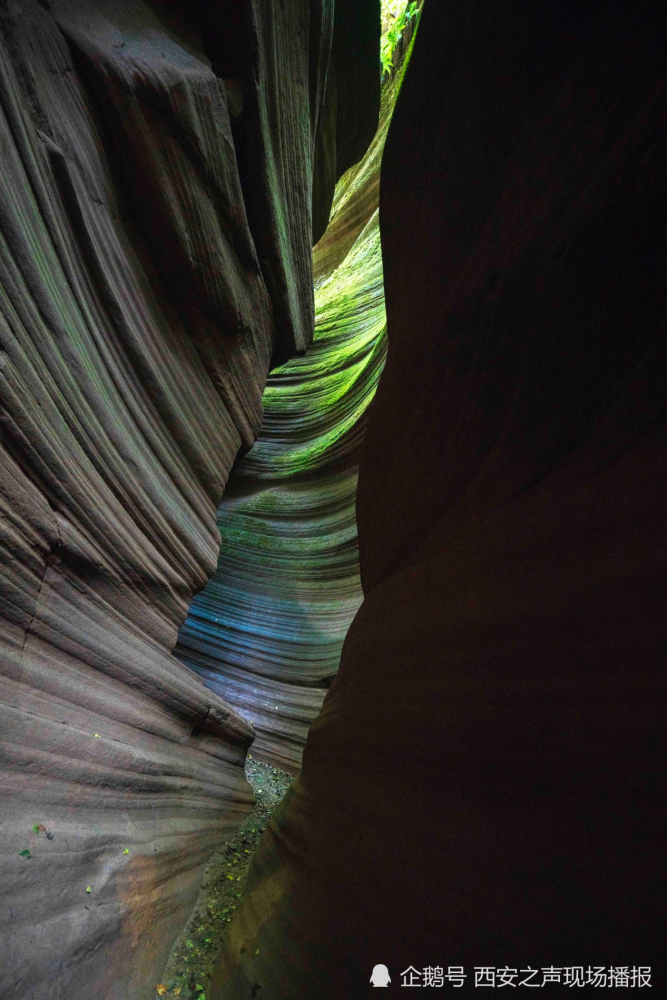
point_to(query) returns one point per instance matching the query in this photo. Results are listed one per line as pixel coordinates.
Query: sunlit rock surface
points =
(267, 632)
(485, 783)
(138, 323)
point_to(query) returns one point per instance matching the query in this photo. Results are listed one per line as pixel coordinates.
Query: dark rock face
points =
(139, 316)
(482, 785)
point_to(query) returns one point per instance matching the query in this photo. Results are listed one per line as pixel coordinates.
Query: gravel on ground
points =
(188, 971)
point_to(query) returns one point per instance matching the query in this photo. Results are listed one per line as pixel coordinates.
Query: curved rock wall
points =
(483, 784)
(267, 631)
(137, 327)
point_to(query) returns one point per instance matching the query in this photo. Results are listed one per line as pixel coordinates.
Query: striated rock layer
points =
(483, 784)
(139, 316)
(267, 632)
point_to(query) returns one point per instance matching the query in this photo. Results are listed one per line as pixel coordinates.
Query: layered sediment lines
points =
(483, 784)
(138, 322)
(267, 631)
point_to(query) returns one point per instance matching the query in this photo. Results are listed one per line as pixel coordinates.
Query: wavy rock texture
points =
(483, 784)
(267, 632)
(137, 328)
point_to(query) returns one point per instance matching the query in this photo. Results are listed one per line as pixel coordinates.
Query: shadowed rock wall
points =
(483, 784)
(139, 317)
(267, 631)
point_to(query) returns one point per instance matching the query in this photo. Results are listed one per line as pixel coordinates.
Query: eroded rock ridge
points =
(157, 211)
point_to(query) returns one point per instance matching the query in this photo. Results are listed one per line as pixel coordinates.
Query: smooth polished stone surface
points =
(137, 329)
(484, 785)
(267, 631)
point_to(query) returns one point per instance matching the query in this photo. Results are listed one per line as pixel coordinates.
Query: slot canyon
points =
(333, 412)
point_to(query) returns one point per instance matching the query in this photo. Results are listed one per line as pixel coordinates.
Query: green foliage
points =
(393, 36)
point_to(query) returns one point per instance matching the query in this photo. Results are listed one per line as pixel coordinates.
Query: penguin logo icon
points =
(380, 976)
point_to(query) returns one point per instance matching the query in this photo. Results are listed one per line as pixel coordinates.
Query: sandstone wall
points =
(145, 293)
(266, 633)
(483, 784)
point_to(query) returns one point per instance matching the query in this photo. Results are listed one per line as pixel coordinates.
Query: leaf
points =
(88, 889)
(35, 828)
(25, 854)
(199, 988)
(97, 736)
(126, 851)
(161, 988)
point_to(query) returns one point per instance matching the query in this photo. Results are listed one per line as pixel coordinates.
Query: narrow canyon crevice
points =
(493, 733)
(440, 436)
(267, 631)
